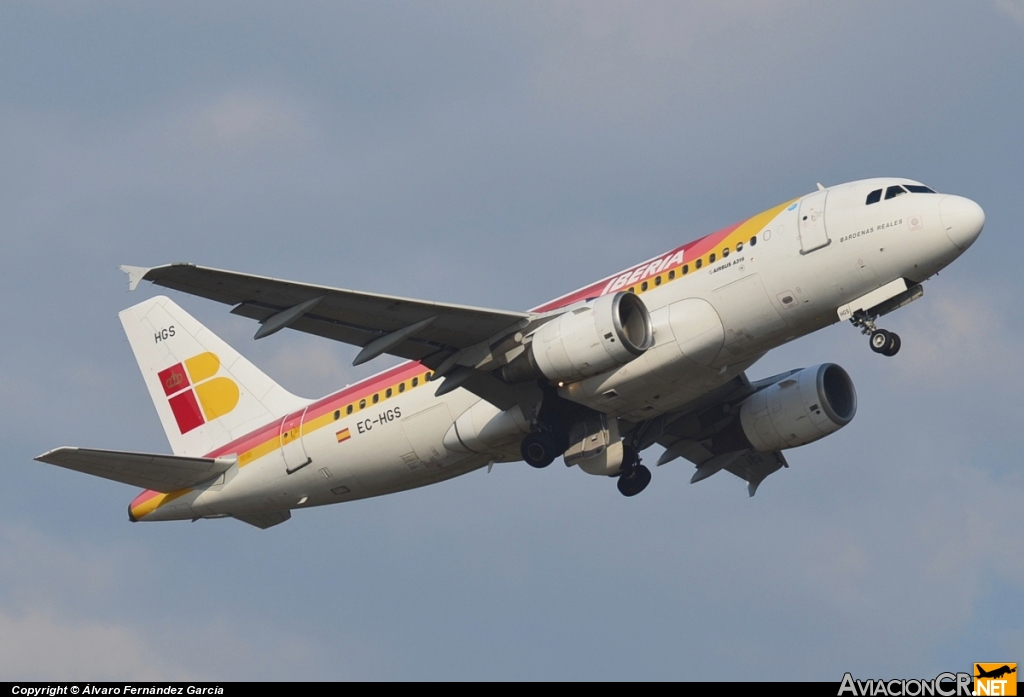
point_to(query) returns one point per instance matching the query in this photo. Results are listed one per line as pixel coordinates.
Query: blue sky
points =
(501, 155)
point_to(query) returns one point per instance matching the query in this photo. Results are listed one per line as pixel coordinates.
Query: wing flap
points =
(164, 473)
(349, 316)
(754, 466)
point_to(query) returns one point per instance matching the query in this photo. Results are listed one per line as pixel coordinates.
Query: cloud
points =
(961, 332)
(1013, 8)
(72, 611)
(41, 646)
(249, 119)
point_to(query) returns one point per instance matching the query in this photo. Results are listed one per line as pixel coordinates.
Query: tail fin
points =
(205, 392)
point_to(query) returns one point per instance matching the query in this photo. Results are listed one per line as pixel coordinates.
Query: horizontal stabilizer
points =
(164, 473)
(265, 520)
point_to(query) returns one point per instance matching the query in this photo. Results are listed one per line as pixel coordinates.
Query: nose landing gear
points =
(881, 341)
(885, 343)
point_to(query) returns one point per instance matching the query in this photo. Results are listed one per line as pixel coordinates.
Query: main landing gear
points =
(881, 341)
(635, 477)
(540, 449)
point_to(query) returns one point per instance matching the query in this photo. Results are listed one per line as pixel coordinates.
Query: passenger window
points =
(753, 241)
(415, 381)
(711, 259)
(388, 393)
(894, 191)
(739, 246)
(348, 409)
(671, 274)
(401, 387)
(362, 403)
(700, 262)
(725, 252)
(874, 197)
(337, 414)
(376, 398)
(918, 189)
(643, 286)
(686, 269)
(657, 280)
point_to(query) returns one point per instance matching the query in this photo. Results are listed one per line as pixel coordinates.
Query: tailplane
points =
(206, 393)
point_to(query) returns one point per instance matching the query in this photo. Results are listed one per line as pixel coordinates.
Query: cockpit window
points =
(894, 191)
(918, 189)
(874, 197)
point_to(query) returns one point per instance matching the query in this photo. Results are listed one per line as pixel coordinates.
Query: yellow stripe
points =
(748, 228)
(150, 505)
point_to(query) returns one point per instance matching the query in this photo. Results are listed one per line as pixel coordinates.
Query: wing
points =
(164, 473)
(695, 435)
(416, 329)
(750, 465)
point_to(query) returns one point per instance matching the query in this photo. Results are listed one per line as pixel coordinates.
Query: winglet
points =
(135, 275)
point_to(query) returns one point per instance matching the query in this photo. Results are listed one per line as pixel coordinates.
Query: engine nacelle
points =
(603, 334)
(799, 409)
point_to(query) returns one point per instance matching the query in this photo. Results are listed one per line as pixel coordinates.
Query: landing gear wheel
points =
(539, 449)
(880, 341)
(894, 344)
(635, 481)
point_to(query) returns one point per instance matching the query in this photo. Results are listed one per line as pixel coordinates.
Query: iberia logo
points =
(195, 395)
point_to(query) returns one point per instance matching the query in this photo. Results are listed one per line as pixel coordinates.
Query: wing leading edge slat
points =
(348, 316)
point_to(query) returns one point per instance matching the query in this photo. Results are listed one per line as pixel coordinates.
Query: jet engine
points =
(603, 334)
(799, 409)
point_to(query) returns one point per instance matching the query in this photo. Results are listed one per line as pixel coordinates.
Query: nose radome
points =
(962, 219)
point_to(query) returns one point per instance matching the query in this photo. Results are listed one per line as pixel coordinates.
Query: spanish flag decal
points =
(343, 435)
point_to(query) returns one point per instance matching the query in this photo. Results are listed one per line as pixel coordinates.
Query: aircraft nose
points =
(962, 219)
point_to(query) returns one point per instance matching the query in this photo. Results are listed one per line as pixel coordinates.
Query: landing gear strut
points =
(881, 341)
(635, 477)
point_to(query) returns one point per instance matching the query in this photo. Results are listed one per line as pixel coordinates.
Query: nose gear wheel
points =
(880, 340)
(885, 342)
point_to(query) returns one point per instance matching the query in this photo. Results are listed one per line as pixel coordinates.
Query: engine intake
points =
(603, 334)
(799, 409)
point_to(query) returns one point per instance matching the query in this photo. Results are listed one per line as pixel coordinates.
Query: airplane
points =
(995, 673)
(655, 354)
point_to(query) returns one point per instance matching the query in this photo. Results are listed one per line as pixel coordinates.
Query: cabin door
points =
(292, 449)
(811, 224)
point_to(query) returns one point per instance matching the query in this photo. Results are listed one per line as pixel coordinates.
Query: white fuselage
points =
(809, 257)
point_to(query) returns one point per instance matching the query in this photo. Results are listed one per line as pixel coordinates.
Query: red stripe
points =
(143, 497)
(388, 378)
(690, 250)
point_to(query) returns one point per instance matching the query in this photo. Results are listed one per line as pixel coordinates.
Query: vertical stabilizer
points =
(205, 392)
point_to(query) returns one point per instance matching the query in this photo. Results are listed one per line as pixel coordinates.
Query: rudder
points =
(206, 393)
